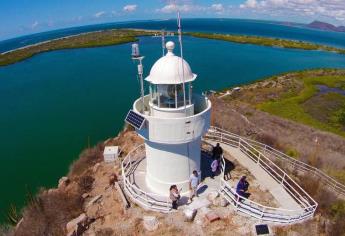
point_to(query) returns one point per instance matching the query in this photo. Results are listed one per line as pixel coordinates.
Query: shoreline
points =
(101, 38)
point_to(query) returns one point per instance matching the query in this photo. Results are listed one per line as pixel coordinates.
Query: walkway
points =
(283, 198)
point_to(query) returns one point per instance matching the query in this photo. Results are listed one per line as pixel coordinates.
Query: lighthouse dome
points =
(168, 69)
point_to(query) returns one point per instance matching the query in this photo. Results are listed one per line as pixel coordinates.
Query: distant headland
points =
(325, 26)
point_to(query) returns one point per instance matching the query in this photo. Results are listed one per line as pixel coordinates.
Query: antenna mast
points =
(163, 42)
(137, 57)
(181, 53)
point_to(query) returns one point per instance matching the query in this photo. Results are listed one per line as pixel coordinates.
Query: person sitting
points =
(242, 187)
(214, 167)
(193, 184)
(217, 151)
(174, 196)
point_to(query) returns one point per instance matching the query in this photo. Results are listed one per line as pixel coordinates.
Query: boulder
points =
(212, 196)
(199, 203)
(150, 223)
(73, 225)
(189, 214)
(64, 181)
(85, 195)
(93, 201)
(212, 216)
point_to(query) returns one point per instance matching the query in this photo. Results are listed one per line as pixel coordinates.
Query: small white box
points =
(110, 153)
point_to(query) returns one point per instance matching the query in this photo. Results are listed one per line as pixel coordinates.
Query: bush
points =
(85, 183)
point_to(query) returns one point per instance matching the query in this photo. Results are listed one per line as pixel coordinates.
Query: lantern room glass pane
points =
(170, 95)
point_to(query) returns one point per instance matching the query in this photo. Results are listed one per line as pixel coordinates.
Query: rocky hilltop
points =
(325, 26)
(89, 201)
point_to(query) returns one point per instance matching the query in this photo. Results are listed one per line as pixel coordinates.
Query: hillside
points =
(325, 26)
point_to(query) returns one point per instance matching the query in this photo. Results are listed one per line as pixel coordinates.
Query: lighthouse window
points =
(169, 95)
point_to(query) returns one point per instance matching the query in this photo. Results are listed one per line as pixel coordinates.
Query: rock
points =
(95, 167)
(63, 182)
(189, 214)
(212, 196)
(223, 202)
(52, 190)
(212, 216)
(73, 225)
(85, 195)
(93, 200)
(150, 223)
(199, 203)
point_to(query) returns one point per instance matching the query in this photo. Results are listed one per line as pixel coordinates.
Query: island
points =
(266, 41)
(121, 36)
(84, 40)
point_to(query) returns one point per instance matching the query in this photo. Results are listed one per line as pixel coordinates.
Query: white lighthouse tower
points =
(172, 120)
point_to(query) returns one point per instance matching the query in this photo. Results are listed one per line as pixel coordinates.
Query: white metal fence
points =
(306, 202)
(259, 153)
(286, 160)
(150, 201)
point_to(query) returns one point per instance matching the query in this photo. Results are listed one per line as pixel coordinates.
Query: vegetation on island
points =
(296, 96)
(120, 36)
(85, 40)
(266, 41)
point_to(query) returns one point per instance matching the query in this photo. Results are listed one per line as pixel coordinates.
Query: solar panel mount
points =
(135, 119)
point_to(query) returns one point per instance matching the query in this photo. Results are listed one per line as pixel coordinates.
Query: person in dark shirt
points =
(217, 151)
(242, 187)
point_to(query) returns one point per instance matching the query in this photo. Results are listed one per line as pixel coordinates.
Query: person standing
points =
(174, 196)
(193, 184)
(217, 151)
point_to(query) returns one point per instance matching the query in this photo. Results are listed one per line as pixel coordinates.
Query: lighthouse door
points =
(189, 130)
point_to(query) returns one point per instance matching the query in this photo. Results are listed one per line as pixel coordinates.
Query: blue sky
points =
(20, 17)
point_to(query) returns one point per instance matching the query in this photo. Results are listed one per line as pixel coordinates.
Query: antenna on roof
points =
(181, 53)
(163, 42)
(137, 57)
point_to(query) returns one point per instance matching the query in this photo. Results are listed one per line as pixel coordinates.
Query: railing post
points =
(239, 142)
(262, 213)
(259, 158)
(265, 149)
(283, 178)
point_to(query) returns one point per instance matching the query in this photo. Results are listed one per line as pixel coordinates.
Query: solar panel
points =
(135, 119)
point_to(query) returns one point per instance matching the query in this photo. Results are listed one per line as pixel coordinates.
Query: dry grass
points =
(88, 158)
(285, 135)
(49, 213)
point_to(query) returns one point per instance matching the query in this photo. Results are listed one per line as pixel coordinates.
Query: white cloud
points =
(99, 14)
(34, 25)
(330, 9)
(217, 7)
(130, 8)
(171, 8)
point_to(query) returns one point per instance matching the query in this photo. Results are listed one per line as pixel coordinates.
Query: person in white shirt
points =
(193, 184)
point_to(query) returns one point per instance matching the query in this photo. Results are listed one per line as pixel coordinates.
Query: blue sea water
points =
(51, 103)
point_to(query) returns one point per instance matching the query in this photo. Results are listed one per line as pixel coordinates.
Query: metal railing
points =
(150, 201)
(288, 161)
(306, 202)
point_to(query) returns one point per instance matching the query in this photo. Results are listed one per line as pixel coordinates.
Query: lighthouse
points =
(172, 120)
